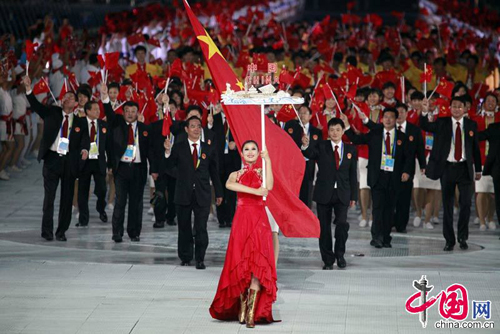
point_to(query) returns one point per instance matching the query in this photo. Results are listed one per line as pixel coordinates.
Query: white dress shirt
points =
(89, 123)
(392, 134)
(340, 149)
(198, 145)
(136, 142)
(402, 125)
(451, 156)
(59, 133)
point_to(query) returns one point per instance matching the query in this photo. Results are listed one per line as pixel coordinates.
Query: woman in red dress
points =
(247, 285)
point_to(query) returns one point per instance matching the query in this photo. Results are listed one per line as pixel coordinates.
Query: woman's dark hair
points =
(248, 142)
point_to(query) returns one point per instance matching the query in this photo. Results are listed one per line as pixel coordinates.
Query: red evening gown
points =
(249, 251)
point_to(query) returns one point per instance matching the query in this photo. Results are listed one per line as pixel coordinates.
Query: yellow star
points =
(239, 84)
(212, 48)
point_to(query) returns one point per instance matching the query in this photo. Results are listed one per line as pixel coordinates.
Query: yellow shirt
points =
(152, 69)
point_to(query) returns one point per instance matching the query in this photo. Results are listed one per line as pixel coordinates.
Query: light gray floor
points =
(91, 285)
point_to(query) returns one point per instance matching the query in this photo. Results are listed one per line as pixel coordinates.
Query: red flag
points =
(445, 88)
(135, 39)
(167, 122)
(294, 217)
(286, 113)
(286, 78)
(30, 48)
(176, 69)
(109, 61)
(327, 92)
(41, 87)
(95, 78)
(479, 90)
(64, 90)
(426, 76)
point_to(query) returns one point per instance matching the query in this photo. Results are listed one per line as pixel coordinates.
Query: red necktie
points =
(388, 143)
(337, 157)
(195, 155)
(458, 143)
(400, 128)
(65, 127)
(92, 132)
(130, 135)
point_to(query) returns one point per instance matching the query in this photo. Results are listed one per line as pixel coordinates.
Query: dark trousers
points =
(187, 239)
(165, 208)
(403, 202)
(91, 169)
(341, 228)
(225, 211)
(384, 199)
(130, 179)
(305, 194)
(496, 187)
(57, 168)
(456, 175)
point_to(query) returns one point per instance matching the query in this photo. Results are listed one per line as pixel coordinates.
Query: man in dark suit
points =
(93, 164)
(128, 158)
(178, 127)
(336, 188)
(296, 131)
(492, 164)
(164, 208)
(195, 164)
(416, 142)
(390, 160)
(454, 156)
(60, 150)
(229, 161)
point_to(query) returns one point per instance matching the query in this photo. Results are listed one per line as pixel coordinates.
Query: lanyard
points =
(393, 151)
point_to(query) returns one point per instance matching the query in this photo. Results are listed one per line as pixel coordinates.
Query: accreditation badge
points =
(388, 163)
(63, 146)
(129, 154)
(94, 151)
(429, 141)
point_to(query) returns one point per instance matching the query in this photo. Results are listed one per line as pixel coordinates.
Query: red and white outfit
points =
(485, 184)
(6, 119)
(20, 107)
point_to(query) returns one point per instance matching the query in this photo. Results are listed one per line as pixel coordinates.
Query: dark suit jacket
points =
(346, 176)
(492, 135)
(295, 130)
(119, 138)
(231, 161)
(180, 162)
(443, 134)
(103, 142)
(52, 121)
(416, 142)
(404, 157)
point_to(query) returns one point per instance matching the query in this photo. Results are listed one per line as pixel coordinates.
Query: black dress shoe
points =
(81, 225)
(118, 239)
(376, 244)
(103, 217)
(61, 237)
(222, 225)
(135, 239)
(341, 262)
(386, 245)
(463, 245)
(448, 247)
(229, 224)
(328, 267)
(200, 265)
(185, 263)
(402, 231)
(48, 237)
(171, 222)
(159, 225)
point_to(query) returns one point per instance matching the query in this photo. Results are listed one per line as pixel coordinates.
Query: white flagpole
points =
(263, 140)
(425, 81)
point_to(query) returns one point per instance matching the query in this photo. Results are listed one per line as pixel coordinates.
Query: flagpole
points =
(263, 140)
(425, 80)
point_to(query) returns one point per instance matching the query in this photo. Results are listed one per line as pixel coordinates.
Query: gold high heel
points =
(251, 303)
(243, 307)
